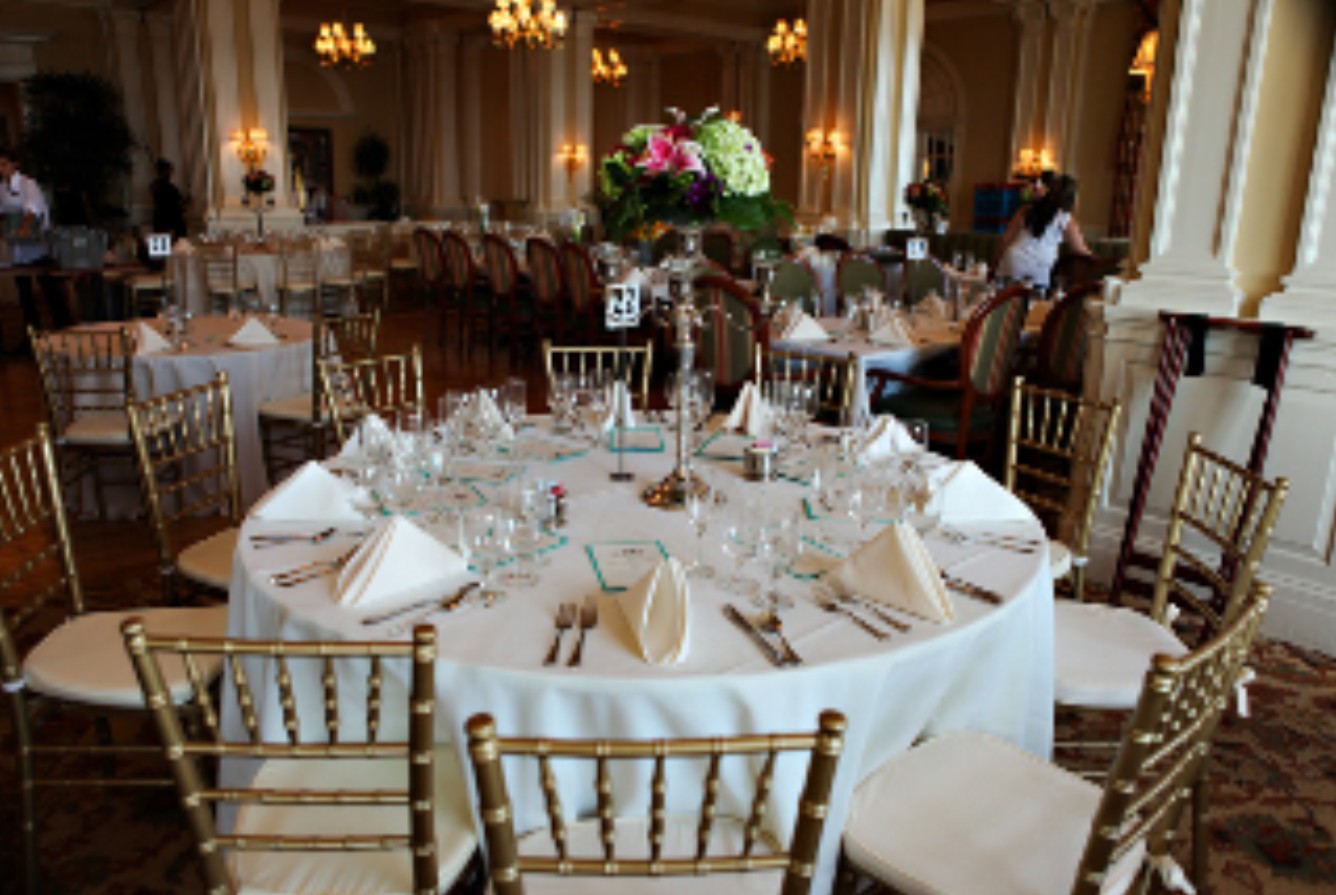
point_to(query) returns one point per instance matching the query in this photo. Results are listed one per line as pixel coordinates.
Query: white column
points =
(432, 143)
(1032, 17)
(124, 28)
(1067, 81)
(271, 94)
(166, 84)
(1202, 169)
(820, 60)
(1310, 291)
(579, 126)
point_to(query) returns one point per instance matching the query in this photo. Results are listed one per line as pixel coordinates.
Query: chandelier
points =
(335, 46)
(788, 46)
(535, 23)
(610, 71)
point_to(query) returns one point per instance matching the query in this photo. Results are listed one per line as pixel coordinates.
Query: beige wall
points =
(786, 132)
(691, 81)
(76, 43)
(982, 52)
(1289, 107)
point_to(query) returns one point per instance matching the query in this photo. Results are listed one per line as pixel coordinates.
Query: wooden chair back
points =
(1165, 747)
(834, 379)
(1219, 529)
(185, 443)
(719, 245)
(460, 271)
(758, 848)
(503, 270)
(732, 330)
(84, 372)
(989, 342)
(858, 272)
(431, 258)
(320, 728)
(1064, 341)
(633, 363)
(545, 271)
(383, 385)
(1059, 449)
(582, 283)
(795, 280)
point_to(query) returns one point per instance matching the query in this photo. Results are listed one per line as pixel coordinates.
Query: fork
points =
(566, 614)
(317, 569)
(588, 620)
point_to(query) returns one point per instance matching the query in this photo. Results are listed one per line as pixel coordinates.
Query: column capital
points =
(1030, 13)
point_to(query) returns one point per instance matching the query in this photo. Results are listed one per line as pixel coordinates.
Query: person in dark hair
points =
(169, 205)
(1029, 247)
(26, 218)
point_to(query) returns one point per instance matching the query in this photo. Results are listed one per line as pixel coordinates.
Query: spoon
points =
(771, 624)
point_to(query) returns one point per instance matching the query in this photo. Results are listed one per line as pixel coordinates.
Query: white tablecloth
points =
(255, 375)
(991, 670)
(258, 269)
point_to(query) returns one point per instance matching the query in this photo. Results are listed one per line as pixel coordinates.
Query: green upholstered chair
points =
(923, 277)
(967, 408)
(733, 333)
(795, 281)
(857, 272)
(718, 245)
(1064, 341)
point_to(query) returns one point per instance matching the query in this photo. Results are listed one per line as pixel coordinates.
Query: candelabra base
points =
(671, 493)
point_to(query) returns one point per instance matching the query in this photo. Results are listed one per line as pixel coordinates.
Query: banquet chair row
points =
(339, 792)
(833, 380)
(294, 429)
(59, 660)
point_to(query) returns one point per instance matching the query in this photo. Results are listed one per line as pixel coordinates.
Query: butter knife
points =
(766, 647)
(969, 588)
(448, 604)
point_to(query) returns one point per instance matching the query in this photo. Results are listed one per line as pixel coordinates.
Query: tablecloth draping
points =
(991, 670)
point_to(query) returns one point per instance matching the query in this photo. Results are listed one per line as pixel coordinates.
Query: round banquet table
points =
(255, 375)
(990, 670)
(257, 268)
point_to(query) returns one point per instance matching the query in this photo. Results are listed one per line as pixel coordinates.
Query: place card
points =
(620, 564)
(636, 440)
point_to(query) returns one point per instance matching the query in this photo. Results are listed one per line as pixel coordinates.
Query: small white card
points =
(159, 245)
(622, 306)
(916, 249)
(620, 564)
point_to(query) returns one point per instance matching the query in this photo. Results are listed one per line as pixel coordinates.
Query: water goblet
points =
(516, 401)
(777, 548)
(699, 507)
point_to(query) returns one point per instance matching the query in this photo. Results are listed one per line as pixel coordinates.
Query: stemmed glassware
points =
(488, 542)
(776, 547)
(740, 544)
(515, 401)
(699, 507)
(561, 400)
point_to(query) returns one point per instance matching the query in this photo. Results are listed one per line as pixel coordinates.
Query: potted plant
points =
(77, 142)
(380, 197)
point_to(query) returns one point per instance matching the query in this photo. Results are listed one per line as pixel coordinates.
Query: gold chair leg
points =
(27, 794)
(1200, 847)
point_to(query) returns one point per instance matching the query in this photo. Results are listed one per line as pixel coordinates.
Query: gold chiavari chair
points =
(383, 385)
(299, 278)
(1058, 451)
(966, 813)
(341, 292)
(401, 256)
(87, 378)
(632, 363)
(370, 265)
(222, 285)
(186, 447)
(1219, 528)
(294, 429)
(68, 668)
(715, 847)
(340, 802)
(833, 379)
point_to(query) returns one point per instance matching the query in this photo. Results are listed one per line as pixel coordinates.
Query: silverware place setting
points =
(1012, 543)
(448, 603)
(311, 570)
(278, 540)
(749, 627)
(588, 621)
(565, 619)
(970, 589)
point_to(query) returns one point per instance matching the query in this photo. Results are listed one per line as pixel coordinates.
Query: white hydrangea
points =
(640, 134)
(734, 155)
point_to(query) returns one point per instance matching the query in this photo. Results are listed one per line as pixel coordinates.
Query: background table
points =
(991, 670)
(257, 268)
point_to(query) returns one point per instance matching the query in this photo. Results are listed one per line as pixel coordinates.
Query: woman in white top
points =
(1029, 247)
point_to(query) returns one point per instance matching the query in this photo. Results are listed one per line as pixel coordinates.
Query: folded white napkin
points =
(397, 565)
(895, 568)
(968, 494)
(371, 427)
(802, 327)
(253, 334)
(885, 438)
(489, 415)
(149, 341)
(931, 305)
(750, 413)
(620, 403)
(311, 493)
(892, 332)
(658, 611)
(636, 278)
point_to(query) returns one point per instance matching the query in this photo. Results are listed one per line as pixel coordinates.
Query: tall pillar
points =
(168, 134)
(1067, 81)
(470, 137)
(1026, 131)
(862, 85)
(1207, 133)
(127, 55)
(433, 151)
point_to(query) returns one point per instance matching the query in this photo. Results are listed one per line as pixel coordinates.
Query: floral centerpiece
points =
(257, 181)
(691, 171)
(927, 197)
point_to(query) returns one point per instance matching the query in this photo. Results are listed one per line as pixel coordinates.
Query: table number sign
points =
(623, 306)
(916, 249)
(159, 245)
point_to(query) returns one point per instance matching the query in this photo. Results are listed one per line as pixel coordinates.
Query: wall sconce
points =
(1030, 164)
(573, 156)
(824, 148)
(251, 145)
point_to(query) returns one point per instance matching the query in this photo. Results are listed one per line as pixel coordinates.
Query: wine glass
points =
(776, 546)
(487, 544)
(699, 507)
(521, 538)
(516, 401)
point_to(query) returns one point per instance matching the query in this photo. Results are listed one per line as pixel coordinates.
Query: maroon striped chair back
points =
(502, 268)
(459, 267)
(581, 278)
(545, 275)
(991, 337)
(1064, 340)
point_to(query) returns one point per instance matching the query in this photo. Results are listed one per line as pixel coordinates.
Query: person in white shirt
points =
(1029, 247)
(20, 195)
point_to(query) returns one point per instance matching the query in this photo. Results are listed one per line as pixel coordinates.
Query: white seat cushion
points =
(1059, 559)
(98, 428)
(1103, 653)
(84, 660)
(210, 561)
(966, 814)
(350, 873)
(293, 408)
(679, 839)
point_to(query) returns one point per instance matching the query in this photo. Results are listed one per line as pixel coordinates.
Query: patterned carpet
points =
(1273, 826)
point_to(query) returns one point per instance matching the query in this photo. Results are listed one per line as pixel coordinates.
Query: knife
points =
(767, 648)
(447, 604)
